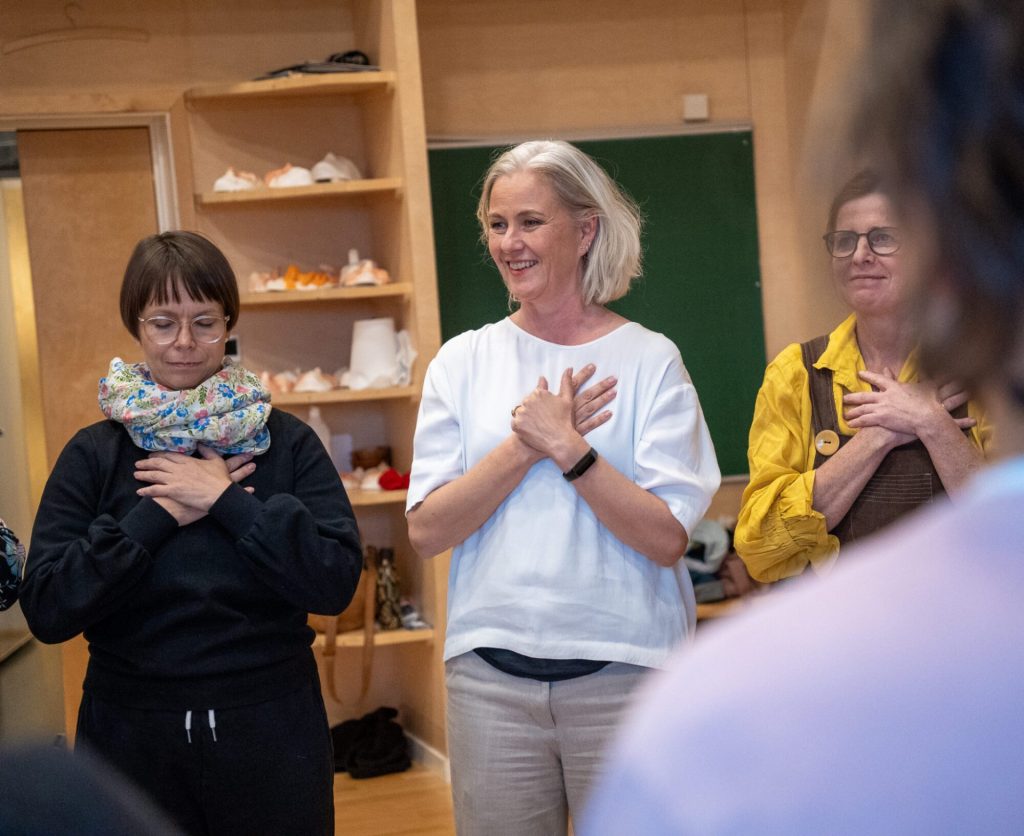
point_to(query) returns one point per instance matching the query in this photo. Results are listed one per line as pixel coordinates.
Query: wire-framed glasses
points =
(164, 330)
(883, 240)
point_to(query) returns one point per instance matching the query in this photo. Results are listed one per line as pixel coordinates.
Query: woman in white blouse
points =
(567, 518)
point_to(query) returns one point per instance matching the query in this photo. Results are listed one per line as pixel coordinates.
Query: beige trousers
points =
(524, 753)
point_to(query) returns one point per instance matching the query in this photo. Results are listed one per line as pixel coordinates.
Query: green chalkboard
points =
(701, 284)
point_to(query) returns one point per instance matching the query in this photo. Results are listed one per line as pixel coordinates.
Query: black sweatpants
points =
(260, 769)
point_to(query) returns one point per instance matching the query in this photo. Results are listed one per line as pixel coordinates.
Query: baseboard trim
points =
(431, 758)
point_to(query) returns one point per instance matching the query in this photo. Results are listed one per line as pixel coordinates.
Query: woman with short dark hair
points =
(188, 536)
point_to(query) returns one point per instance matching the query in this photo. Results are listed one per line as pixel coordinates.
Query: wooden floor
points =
(416, 802)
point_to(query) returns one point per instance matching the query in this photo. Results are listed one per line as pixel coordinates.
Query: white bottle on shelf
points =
(319, 426)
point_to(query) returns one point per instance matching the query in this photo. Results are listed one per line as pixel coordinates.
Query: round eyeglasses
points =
(164, 330)
(883, 240)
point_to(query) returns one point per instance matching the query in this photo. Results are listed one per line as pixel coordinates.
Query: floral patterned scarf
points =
(227, 412)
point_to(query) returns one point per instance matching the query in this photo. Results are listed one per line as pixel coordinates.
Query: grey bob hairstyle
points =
(586, 190)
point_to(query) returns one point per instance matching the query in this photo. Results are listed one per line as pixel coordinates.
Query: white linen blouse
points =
(543, 577)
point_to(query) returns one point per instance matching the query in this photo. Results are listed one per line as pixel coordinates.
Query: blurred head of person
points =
(942, 113)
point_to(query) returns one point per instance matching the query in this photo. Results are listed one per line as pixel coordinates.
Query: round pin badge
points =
(826, 442)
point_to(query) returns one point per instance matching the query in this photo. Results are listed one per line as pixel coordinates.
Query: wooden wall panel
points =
(572, 67)
(536, 67)
(88, 200)
(188, 42)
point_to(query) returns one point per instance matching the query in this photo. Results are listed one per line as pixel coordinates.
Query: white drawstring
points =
(211, 719)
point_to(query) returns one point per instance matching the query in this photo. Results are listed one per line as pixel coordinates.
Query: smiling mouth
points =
(519, 265)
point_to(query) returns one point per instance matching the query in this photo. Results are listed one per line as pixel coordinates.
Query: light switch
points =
(695, 107)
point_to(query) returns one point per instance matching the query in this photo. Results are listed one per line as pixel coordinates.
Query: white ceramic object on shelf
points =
(288, 176)
(237, 181)
(319, 426)
(374, 362)
(332, 169)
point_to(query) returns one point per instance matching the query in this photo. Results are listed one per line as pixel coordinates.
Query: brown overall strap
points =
(819, 382)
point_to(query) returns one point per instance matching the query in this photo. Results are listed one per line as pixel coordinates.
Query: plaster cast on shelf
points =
(358, 272)
(315, 381)
(362, 271)
(288, 176)
(393, 368)
(280, 383)
(365, 479)
(237, 181)
(333, 169)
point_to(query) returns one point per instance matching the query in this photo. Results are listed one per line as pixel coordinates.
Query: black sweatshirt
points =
(212, 614)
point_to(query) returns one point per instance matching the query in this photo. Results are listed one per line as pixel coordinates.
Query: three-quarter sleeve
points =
(675, 457)
(437, 446)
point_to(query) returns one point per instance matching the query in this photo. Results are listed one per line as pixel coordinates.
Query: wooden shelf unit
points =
(327, 294)
(375, 119)
(296, 84)
(267, 194)
(382, 638)
(344, 396)
(364, 499)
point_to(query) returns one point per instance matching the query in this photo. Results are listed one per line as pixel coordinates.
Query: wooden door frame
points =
(168, 212)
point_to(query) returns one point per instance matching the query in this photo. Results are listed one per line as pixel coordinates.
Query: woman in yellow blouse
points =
(846, 437)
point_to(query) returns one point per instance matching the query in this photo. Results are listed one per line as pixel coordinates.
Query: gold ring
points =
(517, 406)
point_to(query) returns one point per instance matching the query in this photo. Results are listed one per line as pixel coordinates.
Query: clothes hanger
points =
(74, 32)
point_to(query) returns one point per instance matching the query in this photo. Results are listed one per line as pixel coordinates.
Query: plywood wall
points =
(541, 68)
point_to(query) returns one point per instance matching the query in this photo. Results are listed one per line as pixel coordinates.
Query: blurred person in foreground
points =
(887, 699)
(48, 790)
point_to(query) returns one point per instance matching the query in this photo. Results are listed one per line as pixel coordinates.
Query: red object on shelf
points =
(392, 480)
